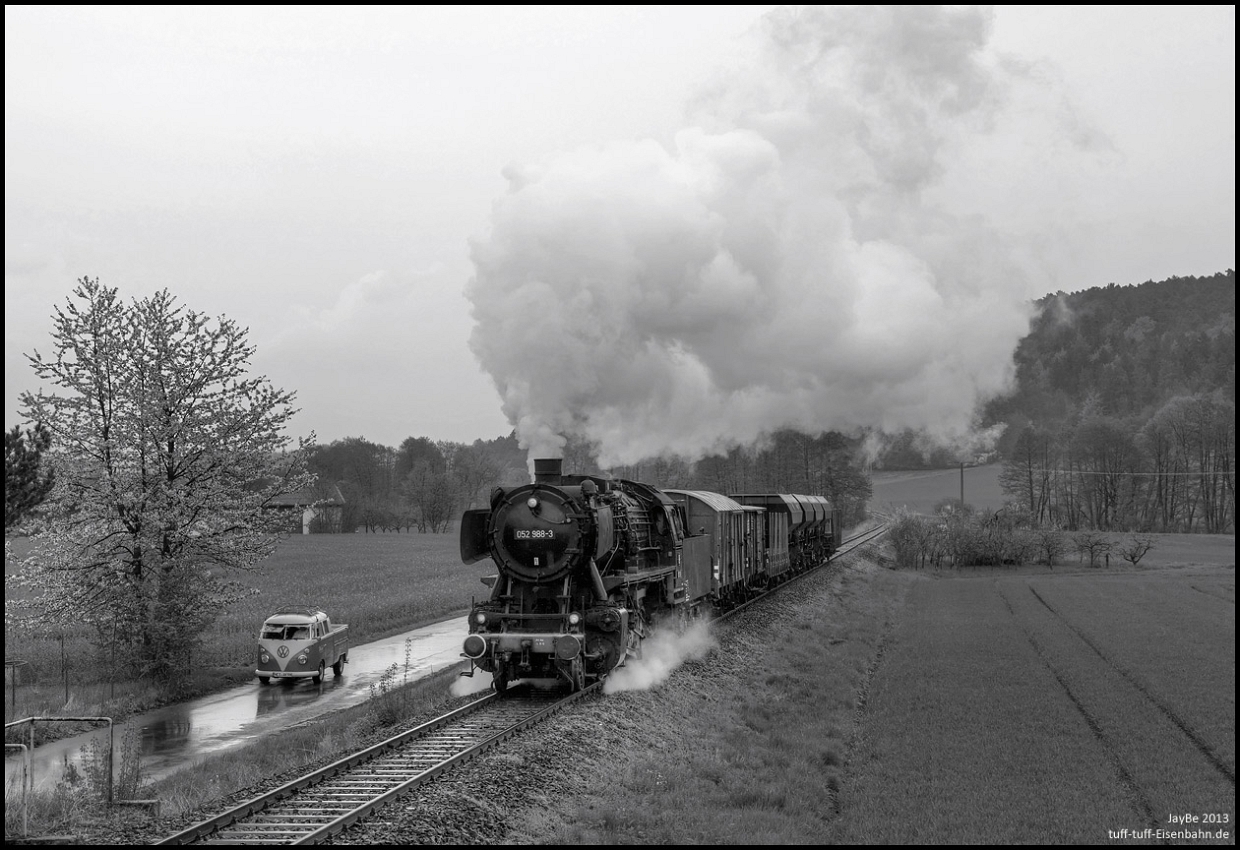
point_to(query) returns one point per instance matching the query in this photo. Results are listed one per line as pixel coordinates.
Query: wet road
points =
(176, 736)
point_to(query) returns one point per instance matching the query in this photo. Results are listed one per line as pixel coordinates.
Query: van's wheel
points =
(338, 668)
(318, 677)
(266, 680)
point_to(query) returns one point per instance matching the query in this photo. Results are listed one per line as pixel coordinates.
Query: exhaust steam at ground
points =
(478, 683)
(662, 653)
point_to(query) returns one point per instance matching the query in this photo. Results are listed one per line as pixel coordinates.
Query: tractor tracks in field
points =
(1131, 787)
(1121, 711)
(1199, 743)
(1211, 593)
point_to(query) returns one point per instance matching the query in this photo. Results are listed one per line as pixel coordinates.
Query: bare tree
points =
(1092, 545)
(1136, 548)
(476, 470)
(1051, 544)
(431, 494)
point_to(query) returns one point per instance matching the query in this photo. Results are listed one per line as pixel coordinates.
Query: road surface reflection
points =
(177, 735)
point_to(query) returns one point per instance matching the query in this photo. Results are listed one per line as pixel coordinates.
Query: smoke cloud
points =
(794, 258)
(662, 653)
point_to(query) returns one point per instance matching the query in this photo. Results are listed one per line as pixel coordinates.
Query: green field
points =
(1057, 708)
(380, 584)
(921, 490)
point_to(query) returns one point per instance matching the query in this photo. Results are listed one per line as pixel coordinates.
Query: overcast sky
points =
(344, 181)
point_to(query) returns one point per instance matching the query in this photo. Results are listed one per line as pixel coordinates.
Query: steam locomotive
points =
(588, 565)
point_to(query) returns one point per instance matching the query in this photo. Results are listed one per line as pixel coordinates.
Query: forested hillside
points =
(1125, 350)
(1123, 415)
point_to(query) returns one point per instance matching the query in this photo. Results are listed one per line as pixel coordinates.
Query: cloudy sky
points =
(667, 229)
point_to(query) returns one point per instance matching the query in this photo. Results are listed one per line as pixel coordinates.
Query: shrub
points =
(1136, 548)
(1093, 545)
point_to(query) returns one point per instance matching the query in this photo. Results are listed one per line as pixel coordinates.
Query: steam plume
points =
(793, 259)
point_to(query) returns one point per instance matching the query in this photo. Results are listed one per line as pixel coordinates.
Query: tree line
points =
(1123, 414)
(1172, 472)
(422, 484)
(425, 485)
(830, 464)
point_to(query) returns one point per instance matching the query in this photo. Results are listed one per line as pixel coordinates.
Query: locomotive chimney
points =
(548, 470)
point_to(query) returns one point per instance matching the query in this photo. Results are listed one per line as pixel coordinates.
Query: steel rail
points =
(322, 803)
(860, 539)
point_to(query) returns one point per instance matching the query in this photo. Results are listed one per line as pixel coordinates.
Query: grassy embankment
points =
(380, 584)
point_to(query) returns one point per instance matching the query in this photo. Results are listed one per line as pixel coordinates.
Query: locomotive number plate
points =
(533, 534)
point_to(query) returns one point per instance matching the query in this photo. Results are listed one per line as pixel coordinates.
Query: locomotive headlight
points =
(574, 618)
(480, 618)
(567, 647)
(475, 647)
(531, 503)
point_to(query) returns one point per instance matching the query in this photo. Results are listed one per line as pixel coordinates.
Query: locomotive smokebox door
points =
(538, 538)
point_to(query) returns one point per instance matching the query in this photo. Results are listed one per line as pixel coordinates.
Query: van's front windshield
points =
(277, 631)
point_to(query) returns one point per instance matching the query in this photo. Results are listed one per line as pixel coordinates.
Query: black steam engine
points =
(587, 564)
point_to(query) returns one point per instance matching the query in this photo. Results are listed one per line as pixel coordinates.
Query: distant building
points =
(317, 510)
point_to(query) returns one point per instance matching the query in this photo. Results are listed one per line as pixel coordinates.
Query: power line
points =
(1202, 474)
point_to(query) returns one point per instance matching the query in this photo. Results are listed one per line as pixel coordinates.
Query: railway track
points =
(314, 807)
(860, 539)
(852, 543)
(318, 805)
